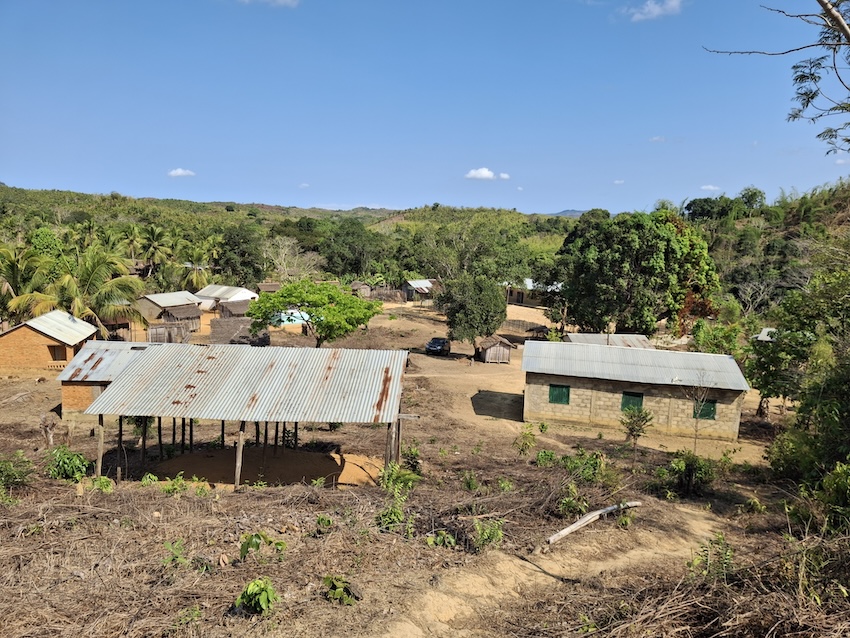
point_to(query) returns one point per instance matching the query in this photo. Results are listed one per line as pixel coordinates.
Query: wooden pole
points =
(295, 443)
(145, 441)
(99, 465)
(257, 433)
(393, 450)
(191, 435)
(159, 435)
(174, 432)
(240, 444)
(587, 519)
(120, 439)
(276, 432)
(265, 444)
(283, 440)
(183, 435)
(222, 435)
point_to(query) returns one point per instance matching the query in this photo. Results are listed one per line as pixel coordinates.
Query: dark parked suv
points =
(438, 345)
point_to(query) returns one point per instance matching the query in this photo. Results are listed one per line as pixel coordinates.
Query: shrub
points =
(258, 597)
(339, 590)
(487, 533)
(64, 464)
(792, 455)
(15, 470)
(713, 561)
(441, 538)
(470, 481)
(572, 503)
(635, 421)
(149, 479)
(394, 475)
(588, 467)
(255, 542)
(410, 454)
(834, 494)
(545, 458)
(525, 440)
(175, 486)
(392, 516)
(692, 473)
(102, 484)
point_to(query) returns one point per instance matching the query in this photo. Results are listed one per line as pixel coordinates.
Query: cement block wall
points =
(598, 402)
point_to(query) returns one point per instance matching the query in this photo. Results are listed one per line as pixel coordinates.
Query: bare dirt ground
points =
(75, 561)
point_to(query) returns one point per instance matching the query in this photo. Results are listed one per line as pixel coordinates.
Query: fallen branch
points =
(587, 519)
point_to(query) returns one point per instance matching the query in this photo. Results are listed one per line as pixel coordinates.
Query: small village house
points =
(214, 294)
(420, 289)
(494, 349)
(525, 294)
(171, 316)
(47, 341)
(620, 339)
(686, 392)
(89, 373)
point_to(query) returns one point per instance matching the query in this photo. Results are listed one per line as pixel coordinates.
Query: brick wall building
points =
(49, 341)
(593, 384)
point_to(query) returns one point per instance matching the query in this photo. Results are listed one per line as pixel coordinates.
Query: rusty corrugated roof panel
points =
(623, 340)
(101, 361)
(244, 383)
(637, 365)
(62, 326)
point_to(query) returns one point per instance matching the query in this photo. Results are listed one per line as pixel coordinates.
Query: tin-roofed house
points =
(47, 341)
(419, 289)
(621, 339)
(214, 294)
(89, 373)
(171, 316)
(687, 393)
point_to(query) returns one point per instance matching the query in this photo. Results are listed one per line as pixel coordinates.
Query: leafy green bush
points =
(255, 543)
(525, 440)
(572, 503)
(545, 458)
(487, 533)
(258, 597)
(394, 475)
(392, 516)
(339, 590)
(713, 562)
(102, 484)
(149, 479)
(66, 465)
(15, 470)
(175, 486)
(589, 467)
(441, 538)
(470, 481)
(410, 454)
(792, 455)
(692, 473)
(834, 494)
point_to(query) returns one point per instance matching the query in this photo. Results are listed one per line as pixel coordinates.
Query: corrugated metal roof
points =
(637, 365)
(622, 340)
(225, 293)
(244, 383)
(62, 326)
(169, 299)
(102, 361)
(424, 284)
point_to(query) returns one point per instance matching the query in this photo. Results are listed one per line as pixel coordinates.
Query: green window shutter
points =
(708, 410)
(631, 400)
(559, 394)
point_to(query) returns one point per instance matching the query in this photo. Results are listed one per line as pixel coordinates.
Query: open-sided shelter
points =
(89, 373)
(686, 392)
(261, 385)
(47, 341)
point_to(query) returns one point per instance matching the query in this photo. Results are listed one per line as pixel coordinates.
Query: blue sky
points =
(537, 105)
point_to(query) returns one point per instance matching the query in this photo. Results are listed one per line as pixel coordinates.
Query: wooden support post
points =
(120, 439)
(257, 433)
(223, 444)
(159, 436)
(144, 441)
(99, 465)
(183, 435)
(191, 435)
(173, 432)
(240, 444)
(265, 445)
(276, 433)
(283, 440)
(393, 449)
(295, 437)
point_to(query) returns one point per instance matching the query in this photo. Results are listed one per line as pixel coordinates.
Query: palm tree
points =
(198, 274)
(157, 249)
(93, 286)
(20, 272)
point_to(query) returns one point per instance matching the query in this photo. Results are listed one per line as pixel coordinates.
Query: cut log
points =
(587, 519)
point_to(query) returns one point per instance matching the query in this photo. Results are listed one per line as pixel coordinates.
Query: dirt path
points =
(461, 598)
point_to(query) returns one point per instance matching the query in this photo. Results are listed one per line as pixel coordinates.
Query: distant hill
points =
(569, 213)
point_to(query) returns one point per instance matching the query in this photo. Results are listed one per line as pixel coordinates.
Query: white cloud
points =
(652, 9)
(304, 185)
(657, 138)
(709, 187)
(274, 3)
(618, 182)
(181, 172)
(842, 160)
(504, 176)
(480, 173)
(519, 188)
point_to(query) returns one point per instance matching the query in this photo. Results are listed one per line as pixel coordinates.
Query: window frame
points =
(711, 404)
(630, 399)
(558, 388)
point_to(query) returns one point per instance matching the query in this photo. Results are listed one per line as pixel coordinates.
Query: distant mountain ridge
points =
(569, 213)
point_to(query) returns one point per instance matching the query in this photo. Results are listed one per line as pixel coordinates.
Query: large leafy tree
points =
(630, 271)
(328, 311)
(93, 285)
(474, 307)
(240, 257)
